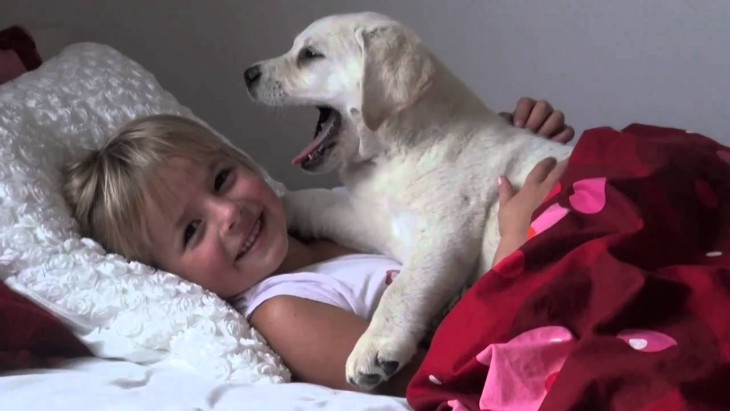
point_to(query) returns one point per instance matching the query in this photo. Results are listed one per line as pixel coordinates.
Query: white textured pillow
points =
(122, 309)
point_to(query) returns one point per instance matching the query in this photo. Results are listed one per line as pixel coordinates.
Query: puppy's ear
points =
(397, 70)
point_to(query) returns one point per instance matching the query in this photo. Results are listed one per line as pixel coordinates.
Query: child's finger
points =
(556, 172)
(565, 135)
(540, 171)
(540, 112)
(522, 111)
(505, 189)
(553, 123)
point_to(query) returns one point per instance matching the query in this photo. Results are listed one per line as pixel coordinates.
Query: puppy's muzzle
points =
(252, 75)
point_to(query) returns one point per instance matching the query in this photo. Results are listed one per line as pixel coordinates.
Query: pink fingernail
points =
(499, 181)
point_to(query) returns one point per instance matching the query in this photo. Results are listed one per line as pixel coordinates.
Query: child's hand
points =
(516, 208)
(540, 118)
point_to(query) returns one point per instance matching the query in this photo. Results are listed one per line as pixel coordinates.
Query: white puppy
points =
(419, 154)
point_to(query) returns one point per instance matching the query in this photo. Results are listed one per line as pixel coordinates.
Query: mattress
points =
(99, 384)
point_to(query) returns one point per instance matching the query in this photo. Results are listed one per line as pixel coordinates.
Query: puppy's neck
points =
(446, 107)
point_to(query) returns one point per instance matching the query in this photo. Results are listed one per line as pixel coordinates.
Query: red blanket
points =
(31, 337)
(621, 298)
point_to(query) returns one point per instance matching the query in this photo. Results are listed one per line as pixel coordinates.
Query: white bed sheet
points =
(99, 384)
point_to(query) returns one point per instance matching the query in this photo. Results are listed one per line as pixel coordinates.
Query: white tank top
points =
(353, 282)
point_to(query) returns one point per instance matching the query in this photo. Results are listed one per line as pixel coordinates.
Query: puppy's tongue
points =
(311, 148)
(319, 137)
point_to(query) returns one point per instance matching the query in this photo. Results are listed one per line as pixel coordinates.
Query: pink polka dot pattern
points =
(456, 405)
(547, 219)
(646, 340)
(522, 369)
(589, 196)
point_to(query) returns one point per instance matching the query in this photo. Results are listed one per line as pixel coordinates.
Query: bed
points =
(619, 299)
(86, 330)
(99, 384)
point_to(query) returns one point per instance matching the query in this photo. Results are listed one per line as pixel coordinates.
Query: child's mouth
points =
(251, 238)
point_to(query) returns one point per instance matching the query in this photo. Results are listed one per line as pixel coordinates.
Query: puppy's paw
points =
(377, 356)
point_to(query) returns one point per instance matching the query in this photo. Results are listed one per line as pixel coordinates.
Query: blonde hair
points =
(107, 189)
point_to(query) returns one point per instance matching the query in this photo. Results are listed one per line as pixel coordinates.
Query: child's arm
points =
(314, 339)
(516, 208)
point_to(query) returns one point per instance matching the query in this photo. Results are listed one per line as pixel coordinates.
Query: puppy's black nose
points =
(252, 74)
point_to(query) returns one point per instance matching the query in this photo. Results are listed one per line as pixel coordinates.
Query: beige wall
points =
(605, 63)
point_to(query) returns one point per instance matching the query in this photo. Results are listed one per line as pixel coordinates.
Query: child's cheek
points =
(208, 258)
(264, 194)
(253, 187)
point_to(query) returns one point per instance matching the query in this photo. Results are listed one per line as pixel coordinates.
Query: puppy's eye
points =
(308, 54)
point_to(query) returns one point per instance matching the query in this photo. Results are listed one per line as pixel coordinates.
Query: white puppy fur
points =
(419, 154)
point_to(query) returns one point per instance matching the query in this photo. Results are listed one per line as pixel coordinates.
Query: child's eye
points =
(190, 232)
(221, 178)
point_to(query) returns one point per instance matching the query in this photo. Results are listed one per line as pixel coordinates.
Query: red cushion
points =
(18, 53)
(31, 337)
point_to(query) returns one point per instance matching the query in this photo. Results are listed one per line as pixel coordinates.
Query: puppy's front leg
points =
(445, 255)
(326, 214)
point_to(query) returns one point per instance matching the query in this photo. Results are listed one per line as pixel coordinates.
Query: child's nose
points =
(229, 214)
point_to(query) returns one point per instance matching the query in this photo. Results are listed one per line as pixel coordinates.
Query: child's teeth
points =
(252, 238)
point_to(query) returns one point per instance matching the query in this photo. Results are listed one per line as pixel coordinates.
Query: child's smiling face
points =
(215, 223)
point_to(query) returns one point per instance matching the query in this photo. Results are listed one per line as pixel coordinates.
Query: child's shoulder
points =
(341, 281)
(349, 263)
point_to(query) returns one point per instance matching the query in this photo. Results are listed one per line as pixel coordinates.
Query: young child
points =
(168, 192)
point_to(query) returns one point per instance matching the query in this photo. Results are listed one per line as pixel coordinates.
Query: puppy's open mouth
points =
(328, 126)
